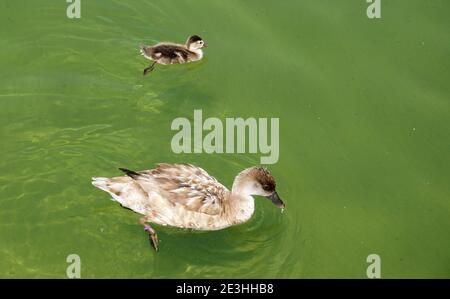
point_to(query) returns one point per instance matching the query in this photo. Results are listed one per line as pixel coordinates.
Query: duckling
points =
(186, 196)
(170, 53)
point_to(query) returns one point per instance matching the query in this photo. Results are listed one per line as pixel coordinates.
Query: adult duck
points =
(186, 196)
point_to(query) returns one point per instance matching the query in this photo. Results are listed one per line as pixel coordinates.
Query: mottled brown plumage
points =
(265, 178)
(189, 186)
(186, 196)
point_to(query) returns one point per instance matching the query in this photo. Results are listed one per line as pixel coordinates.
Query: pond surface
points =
(363, 105)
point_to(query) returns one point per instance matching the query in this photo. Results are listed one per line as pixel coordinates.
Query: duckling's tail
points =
(145, 51)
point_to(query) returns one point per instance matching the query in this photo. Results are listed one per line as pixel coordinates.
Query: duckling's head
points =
(258, 181)
(195, 42)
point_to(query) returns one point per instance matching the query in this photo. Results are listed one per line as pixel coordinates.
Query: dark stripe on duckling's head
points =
(193, 39)
(195, 42)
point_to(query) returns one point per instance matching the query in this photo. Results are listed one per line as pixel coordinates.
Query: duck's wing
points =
(186, 185)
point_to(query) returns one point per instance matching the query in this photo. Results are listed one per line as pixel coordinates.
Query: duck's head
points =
(195, 42)
(258, 181)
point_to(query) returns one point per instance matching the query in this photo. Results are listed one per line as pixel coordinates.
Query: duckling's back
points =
(167, 53)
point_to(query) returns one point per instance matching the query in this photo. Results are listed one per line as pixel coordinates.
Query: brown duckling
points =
(170, 53)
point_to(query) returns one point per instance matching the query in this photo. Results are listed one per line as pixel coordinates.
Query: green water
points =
(364, 109)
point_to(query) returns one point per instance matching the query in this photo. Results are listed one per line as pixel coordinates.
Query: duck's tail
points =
(123, 190)
(101, 183)
(110, 185)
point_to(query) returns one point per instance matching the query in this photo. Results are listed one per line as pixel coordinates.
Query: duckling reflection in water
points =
(186, 196)
(170, 53)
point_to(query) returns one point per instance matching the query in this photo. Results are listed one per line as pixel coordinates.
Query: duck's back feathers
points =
(130, 173)
(168, 185)
(190, 186)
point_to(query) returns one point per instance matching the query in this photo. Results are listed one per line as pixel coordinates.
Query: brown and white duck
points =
(170, 53)
(186, 196)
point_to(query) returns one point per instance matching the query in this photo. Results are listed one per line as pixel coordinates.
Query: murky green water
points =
(364, 113)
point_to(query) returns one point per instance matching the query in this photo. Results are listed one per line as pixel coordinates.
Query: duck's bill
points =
(276, 200)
